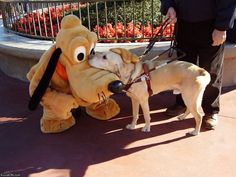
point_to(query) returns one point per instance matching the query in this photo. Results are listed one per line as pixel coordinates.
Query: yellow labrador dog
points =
(182, 77)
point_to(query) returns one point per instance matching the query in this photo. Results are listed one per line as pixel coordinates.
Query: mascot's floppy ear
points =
(45, 80)
(126, 55)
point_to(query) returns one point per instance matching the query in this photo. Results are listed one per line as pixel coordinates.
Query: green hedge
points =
(139, 11)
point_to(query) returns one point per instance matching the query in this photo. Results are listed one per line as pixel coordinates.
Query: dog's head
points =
(113, 59)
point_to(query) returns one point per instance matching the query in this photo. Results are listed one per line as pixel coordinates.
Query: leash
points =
(119, 87)
(158, 36)
(173, 47)
(146, 75)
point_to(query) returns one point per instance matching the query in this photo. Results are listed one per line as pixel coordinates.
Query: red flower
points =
(108, 31)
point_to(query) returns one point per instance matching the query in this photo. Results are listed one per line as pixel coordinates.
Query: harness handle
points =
(156, 38)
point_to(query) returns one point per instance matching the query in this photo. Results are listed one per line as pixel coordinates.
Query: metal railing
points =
(112, 20)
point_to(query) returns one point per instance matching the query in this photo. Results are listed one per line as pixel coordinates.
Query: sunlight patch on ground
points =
(113, 131)
(52, 173)
(119, 118)
(149, 142)
(4, 120)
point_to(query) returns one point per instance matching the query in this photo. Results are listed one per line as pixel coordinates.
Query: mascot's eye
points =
(104, 57)
(80, 56)
(80, 53)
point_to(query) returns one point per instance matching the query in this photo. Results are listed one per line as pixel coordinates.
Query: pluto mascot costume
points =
(62, 80)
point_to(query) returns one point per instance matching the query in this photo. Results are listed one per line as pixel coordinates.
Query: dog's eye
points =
(104, 57)
(92, 52)
(80, 53)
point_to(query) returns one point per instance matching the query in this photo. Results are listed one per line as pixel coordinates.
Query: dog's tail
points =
(204, 76)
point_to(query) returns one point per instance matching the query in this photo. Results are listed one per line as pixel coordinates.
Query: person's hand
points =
(171, 14)
(218, 37)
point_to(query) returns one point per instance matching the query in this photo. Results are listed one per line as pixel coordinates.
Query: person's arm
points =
(226, 10)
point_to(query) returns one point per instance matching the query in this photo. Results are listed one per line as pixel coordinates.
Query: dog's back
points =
(177, 73)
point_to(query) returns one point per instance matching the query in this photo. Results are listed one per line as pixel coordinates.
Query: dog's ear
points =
(126, 55)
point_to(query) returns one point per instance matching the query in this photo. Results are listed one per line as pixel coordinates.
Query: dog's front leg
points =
(146, 114)
(183, 116)
(135, 109)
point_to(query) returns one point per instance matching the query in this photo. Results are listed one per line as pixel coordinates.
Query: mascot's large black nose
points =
(116, 86)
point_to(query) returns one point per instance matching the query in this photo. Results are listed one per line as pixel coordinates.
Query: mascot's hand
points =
(60, 103)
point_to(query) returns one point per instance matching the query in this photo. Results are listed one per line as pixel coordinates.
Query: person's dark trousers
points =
(195, 39)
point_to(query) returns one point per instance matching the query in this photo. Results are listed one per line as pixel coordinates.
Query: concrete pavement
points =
(95, 148)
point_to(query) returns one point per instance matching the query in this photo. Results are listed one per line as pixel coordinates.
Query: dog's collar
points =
(61, 71)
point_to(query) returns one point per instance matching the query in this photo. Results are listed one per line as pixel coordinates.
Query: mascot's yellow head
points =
(75, 41)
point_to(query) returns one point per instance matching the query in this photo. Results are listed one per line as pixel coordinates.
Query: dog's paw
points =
(181, 117)
(146, 129)
(130, 126)
(193, 133)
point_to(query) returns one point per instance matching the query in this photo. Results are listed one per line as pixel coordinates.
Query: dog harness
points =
(146, 75)
(143, 77)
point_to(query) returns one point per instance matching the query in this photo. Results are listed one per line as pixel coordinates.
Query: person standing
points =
(201, 33)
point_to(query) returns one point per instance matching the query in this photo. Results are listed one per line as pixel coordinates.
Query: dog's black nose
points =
(116, 86)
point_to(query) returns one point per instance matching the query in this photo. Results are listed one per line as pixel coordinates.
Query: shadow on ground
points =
(26, 150)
